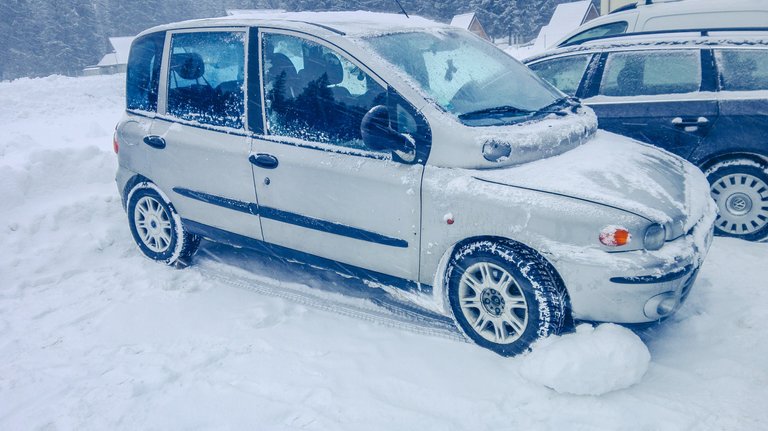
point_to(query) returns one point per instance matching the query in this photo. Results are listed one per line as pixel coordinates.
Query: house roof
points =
(121, 47)
(463, 21)
(567, 17)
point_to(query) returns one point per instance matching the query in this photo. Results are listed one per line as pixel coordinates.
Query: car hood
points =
(615, 171)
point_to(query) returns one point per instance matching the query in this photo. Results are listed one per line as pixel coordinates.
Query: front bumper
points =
(635, 286)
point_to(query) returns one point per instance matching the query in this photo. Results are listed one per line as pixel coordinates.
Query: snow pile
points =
(591, 361)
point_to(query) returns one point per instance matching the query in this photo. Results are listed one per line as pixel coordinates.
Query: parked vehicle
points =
(411, 154)
(702, 98)
(654, 16)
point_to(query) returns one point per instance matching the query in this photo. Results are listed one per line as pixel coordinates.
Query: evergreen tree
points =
(39, 37)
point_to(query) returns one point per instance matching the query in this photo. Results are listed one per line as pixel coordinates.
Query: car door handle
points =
(680, 122)
(690, 125)
(266, 161)
(155, 141)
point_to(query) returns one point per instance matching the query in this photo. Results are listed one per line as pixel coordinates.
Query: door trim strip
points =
(292, 218)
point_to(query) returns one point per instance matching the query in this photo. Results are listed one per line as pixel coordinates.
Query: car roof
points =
(656, 41)
(642, 10)
(356, 23)
(682, 6)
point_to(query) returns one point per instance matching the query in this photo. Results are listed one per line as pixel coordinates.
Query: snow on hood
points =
(616, 171)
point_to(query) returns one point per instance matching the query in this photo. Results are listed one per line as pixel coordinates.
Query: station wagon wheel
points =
(157, 228)
(740, 189)
(505, 296)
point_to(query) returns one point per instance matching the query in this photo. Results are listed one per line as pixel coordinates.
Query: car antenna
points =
(402, 9)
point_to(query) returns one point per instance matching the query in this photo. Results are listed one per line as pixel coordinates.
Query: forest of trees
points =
(43, 37)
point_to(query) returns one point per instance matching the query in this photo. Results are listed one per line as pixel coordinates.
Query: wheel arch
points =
(129, 185)
(439, 285)
(712, 160)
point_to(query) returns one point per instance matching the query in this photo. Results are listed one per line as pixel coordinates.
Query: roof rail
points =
(701, 31)
(626, 7)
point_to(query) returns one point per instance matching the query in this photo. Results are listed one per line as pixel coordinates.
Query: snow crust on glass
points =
(93, 337)
(591, 361)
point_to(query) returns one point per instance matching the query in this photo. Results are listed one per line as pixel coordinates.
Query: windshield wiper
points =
(559, 112)
(498, 110)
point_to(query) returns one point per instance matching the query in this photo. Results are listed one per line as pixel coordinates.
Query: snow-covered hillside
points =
(93, 336)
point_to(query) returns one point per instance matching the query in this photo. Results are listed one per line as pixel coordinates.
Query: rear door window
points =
(143, 72)
(742, 69)
(645, 73)
(206, 77)
(565, 73)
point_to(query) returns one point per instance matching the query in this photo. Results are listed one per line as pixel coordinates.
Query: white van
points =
(672, 15)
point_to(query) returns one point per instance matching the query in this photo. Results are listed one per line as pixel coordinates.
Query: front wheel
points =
(505, 296)
(157, 228)
(740, 189)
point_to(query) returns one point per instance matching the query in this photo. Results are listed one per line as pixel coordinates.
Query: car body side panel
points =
(658, 122)
(741, 128)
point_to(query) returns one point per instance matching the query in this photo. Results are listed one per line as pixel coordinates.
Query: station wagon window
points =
(651, 73)
(743, 69)
(205, 81)
(314, 94)
(143, 72)
(599, 31)
(565, 73)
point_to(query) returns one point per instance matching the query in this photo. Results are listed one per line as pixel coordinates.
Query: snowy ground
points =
(93, 336)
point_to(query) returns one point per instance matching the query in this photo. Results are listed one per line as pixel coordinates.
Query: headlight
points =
(654, 237)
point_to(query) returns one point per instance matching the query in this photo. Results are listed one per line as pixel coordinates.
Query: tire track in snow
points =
(381, 310)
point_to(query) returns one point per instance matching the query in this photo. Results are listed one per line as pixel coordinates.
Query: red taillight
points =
(615, 236)
(115, 144)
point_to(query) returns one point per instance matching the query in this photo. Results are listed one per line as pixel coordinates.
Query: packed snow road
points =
(93, 336)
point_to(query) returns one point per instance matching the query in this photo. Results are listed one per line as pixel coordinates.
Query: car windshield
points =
(467, 76)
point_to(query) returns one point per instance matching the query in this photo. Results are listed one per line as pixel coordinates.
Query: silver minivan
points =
(413, 155)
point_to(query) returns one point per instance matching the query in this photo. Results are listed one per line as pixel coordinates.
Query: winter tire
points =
(157, 228)
(505, 296)
(740, 189)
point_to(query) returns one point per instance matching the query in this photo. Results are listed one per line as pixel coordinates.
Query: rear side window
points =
(206, 78)
(645, 73)
(565, 73)
(599, 31)
(743, 70)
(143, 72)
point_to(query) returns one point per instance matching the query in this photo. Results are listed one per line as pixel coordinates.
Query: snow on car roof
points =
(354, 23)
(655, 41)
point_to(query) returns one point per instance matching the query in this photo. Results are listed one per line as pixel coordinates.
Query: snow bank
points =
(95, 337)
(591, 361)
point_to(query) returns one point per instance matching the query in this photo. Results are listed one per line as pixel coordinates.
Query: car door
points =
(321, 190)
(199, 138)
(743, 104)
(659, 96)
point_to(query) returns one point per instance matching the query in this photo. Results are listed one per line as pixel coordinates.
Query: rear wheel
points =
(740, 189)
(157, 228)
(505, 296)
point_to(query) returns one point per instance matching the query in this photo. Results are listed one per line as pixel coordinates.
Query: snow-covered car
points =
(413, 155)
(653, 16)
(703, 98)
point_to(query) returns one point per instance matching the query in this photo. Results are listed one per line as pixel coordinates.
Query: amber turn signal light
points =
(615, 236)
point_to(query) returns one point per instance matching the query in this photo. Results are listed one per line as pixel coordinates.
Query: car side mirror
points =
(378, 135)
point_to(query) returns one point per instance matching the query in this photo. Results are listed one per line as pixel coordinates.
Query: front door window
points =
(315, 94)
